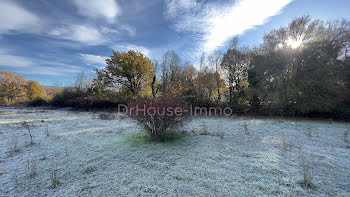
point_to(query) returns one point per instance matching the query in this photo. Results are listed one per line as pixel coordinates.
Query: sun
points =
(294, 43)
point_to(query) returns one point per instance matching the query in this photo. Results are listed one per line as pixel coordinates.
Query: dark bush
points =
(39, 102)
(78, 100)
(62, 99)
(159, 118)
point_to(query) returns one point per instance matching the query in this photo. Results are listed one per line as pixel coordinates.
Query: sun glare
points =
(294, 43)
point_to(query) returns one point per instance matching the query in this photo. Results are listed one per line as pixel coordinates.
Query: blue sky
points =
(52, 40)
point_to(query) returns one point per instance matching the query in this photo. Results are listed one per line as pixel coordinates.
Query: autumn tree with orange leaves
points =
(35, 90)
(16, 89)
(12, 86)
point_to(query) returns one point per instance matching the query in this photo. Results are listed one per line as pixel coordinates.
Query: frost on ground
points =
(78, 154)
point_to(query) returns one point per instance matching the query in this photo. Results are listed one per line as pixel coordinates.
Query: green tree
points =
(130, 72)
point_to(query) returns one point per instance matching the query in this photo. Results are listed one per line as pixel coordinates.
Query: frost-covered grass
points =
(86, 156)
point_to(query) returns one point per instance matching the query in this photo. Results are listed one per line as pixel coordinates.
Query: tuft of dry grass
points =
(31, 167)
(306, 182)
(15, 146)
(307, 165)
(47, 131)
(346, 139)
(204, 130)
(309, 134)
(16, 176)
(286, 144)
(28, 127)
(14, 149)
(89, 169)
(43, 158)
(54, 178)
(245, 126)
(222, 135)
(106, 116)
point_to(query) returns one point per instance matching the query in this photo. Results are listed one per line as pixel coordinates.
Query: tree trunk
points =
(218, 83)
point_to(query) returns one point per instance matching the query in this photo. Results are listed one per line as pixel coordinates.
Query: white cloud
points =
(15, 18)
(108, 9)
(108, 30)
(176, 6)
(122, 29)
(215, 23)
(127, 47)
(85, 34)
(14, 61)
(26, 65)
(53, 68)
(93, 59)
(130, 30)
(51, 71)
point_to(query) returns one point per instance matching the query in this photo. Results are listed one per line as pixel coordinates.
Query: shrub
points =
(38, 102)
(159, 116)
(78, 100)
(62, 99)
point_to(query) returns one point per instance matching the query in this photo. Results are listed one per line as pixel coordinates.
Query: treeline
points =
(300, 70)
(15, 89)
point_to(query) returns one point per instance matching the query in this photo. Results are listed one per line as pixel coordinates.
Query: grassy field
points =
(78, 154)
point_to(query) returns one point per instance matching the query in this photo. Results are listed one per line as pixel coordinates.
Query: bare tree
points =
(214, 60)
(234, 42)
(81, 82)
(201, 67)
(170, 64)
(164, 72)
(154, 79)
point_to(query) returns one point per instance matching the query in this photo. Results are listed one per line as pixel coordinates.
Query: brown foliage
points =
(12, 86)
